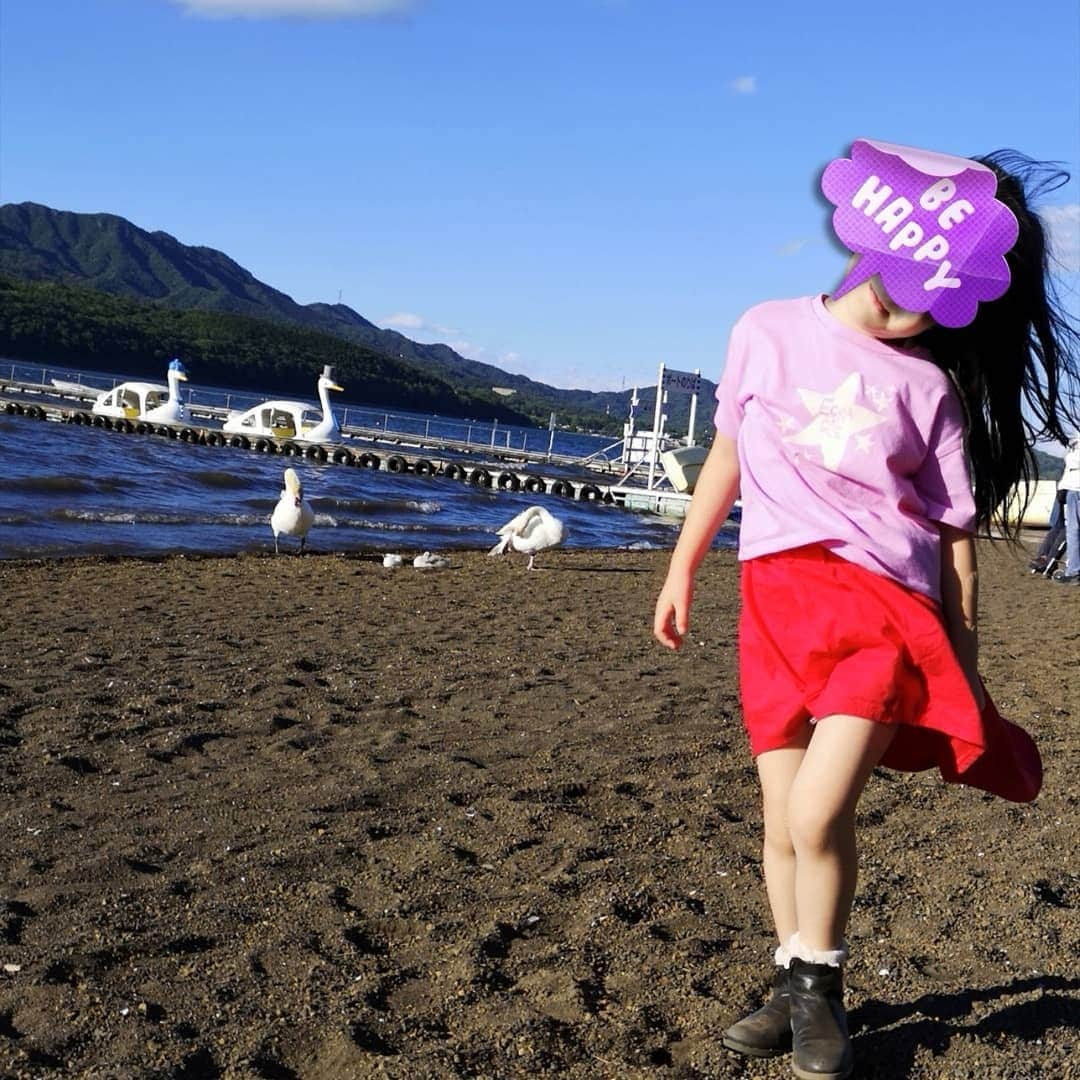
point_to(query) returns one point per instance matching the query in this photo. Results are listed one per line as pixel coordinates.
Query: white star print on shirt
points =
(836, 418)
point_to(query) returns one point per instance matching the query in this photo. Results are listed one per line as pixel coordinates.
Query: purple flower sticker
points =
(928, 223)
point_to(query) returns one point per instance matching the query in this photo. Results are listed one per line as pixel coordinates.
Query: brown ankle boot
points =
(767, 1032)
(821, 1049)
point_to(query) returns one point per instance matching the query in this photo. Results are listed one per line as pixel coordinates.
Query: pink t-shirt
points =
(844, 441)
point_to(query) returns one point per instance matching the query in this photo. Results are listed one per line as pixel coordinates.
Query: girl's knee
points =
(778, 840)
(814, 824)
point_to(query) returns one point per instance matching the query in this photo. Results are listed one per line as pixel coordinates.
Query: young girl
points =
(849, 425)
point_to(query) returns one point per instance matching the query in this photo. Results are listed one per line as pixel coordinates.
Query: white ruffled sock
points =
(783, 956)
(797, 949)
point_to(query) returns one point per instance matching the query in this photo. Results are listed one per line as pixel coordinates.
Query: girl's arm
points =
(715, 492)
(960, 602)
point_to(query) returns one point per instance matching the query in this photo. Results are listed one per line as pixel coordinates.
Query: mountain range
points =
(110, 254)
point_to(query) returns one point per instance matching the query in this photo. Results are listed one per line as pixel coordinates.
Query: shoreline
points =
(1029, 539)
(269, 817)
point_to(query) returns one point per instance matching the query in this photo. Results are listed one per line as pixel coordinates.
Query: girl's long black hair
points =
(1017, 365)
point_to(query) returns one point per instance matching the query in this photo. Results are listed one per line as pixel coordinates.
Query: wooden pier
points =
(597, 481)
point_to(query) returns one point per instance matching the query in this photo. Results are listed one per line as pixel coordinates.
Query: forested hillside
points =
(110, 254)
(63, 324)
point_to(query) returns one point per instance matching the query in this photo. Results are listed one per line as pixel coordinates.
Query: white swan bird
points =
(431, 561)
(290, 419)
(292, 516)
(532, 531)
(146, 401)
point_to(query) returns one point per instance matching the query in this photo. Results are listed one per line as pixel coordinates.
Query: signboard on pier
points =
(688, 382)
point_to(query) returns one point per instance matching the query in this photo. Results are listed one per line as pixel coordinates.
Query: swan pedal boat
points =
(290, 419)
(65, 386)
(145, 400)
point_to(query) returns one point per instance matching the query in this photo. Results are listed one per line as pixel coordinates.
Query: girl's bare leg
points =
(777, 770)
(822, 798)
(766, 1032)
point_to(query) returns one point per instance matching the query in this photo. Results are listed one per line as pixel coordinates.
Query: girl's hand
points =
(671, 621)
(960, 603)
(715, 491)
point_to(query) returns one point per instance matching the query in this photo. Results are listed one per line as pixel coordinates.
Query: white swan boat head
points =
(145, 400)
(297, 420)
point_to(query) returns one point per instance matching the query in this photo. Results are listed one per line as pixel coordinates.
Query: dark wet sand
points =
(310, 818)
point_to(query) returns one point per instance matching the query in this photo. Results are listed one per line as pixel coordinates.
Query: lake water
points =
(72, 490)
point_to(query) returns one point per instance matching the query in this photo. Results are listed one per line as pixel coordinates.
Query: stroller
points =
(1052, 549)
(1053, 560)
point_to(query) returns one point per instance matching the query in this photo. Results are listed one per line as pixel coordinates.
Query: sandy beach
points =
(306, 817)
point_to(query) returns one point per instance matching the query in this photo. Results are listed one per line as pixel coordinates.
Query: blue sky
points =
(574, 189)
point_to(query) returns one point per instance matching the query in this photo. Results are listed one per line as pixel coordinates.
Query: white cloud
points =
(598, 382)
(744, 84)
(419, 329)
(1063, 231)
(403, 320)
(296, 9)
(470, 350)
(408, 322)
(792, 247)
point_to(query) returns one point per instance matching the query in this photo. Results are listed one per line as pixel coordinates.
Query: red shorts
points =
(820, 636)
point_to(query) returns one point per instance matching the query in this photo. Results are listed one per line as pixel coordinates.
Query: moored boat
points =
(290, 419)
(145, 400)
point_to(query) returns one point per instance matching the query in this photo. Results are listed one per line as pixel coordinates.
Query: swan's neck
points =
(324, 401)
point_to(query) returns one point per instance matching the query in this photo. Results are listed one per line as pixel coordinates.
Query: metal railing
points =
(370, 423)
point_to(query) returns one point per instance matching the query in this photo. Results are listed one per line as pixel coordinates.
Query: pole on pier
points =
(551, 435)
(654, 450)
(693, 414)
(494, 428)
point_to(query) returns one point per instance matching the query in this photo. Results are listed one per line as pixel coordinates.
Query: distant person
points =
(1047, 551)
(1070, 484)
(1055, 534)
(843, 421)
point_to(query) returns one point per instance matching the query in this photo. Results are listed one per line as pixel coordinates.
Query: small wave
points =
(67, 485)
(375, 506)
(52, 485)
(151, 517)
(398, 526)
(330, 503)
(641, 545)
(104, 517)
(364, 523)
(213, 478)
